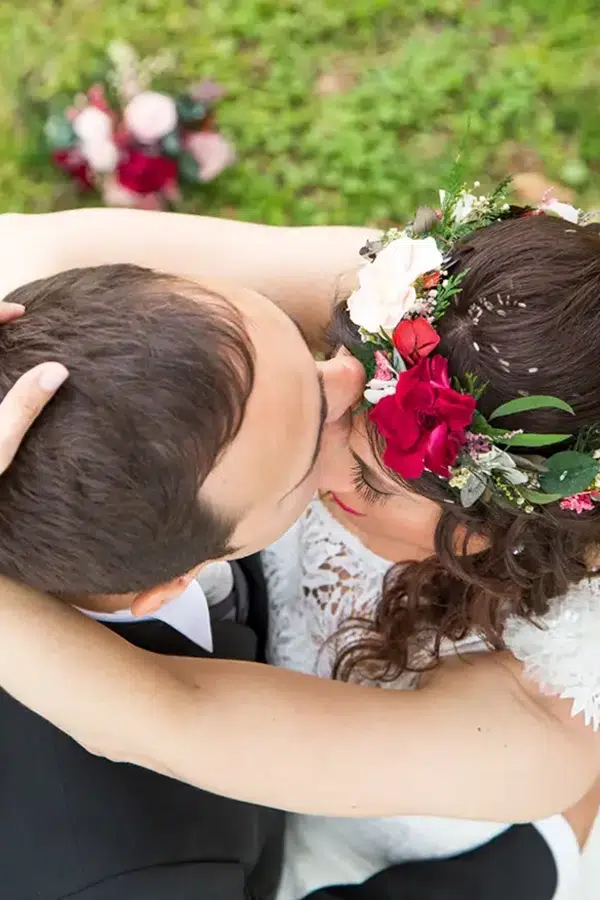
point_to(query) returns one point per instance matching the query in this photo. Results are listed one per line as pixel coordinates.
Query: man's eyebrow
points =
(322, 420)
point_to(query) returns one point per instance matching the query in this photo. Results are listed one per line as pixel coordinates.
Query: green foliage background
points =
(407, 81)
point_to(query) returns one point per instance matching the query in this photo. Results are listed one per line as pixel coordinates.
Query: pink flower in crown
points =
(477, 444)
(579, 503)
(384, 381)
(383, 368)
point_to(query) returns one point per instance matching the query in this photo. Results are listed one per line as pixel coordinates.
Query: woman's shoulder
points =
(561, 650)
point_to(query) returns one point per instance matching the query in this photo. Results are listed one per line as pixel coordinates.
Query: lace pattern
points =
(562, 651)
(319, 575)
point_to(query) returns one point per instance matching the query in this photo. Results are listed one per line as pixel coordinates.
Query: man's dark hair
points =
(103, 496)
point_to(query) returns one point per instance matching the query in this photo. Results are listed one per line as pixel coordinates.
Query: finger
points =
(10, 311)
(344, 379)
(23, 403)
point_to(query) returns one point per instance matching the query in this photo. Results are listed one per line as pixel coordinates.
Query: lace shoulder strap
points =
(561, 651)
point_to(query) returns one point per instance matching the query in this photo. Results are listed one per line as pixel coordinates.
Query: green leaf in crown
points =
(569, 472)
(365, 354)
(525, 404)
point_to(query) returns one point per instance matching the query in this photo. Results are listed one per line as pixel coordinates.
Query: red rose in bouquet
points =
(145, 174)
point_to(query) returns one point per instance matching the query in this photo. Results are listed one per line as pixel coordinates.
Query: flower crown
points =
(429, 423)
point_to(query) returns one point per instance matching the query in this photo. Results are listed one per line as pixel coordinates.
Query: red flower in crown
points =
(424, 422)
(431, 280)
(414, 339)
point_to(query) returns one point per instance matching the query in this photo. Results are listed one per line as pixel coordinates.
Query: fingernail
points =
(52, 377)
(18, 307)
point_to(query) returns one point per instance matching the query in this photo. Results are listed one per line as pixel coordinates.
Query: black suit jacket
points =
(73, 825)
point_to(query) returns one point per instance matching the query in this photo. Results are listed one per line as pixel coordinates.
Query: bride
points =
(396, 566)
(431, 544)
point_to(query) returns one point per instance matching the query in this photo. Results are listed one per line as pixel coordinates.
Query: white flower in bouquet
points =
(102, 155)
(150, 116)
(92, 125)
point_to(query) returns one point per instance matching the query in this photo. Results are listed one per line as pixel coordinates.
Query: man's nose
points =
(343, 380)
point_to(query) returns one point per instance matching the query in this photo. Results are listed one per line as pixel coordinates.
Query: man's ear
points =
(149, 602)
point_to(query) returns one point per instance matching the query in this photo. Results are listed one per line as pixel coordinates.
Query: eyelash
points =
(364, 490)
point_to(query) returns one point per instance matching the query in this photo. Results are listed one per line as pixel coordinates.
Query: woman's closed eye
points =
(364, 488)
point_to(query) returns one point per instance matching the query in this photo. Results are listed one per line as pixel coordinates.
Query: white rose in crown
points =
(386, 293)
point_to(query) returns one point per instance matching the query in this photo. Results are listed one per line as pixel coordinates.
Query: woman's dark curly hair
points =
(536, 280)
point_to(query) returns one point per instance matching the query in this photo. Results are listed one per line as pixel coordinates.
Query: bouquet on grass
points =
(136, 146)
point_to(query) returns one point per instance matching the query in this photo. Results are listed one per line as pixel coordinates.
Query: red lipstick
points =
(343, 506)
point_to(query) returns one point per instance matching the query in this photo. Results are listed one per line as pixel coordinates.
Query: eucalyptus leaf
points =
(569, 473)
(534, 440)
(531, 463)
(524, 404)
(171, 144)
(397, 362)
(189, 109)
(59, 132)
(473, 490)
(188, 168)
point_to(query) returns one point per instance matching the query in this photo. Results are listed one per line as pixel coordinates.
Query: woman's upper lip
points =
(344, 506)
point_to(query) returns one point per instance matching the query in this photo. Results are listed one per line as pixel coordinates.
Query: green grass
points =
(522, 78)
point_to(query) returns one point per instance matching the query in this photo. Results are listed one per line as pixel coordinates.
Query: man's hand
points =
(26, 399)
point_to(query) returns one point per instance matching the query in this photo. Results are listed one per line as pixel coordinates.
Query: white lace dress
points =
(319, 574)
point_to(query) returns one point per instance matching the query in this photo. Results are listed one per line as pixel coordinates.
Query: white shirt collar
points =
(187, 613)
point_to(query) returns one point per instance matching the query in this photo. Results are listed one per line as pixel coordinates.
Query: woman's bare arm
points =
(304, 270)
(476, 742)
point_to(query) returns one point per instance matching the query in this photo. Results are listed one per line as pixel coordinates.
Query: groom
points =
(171, 386)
